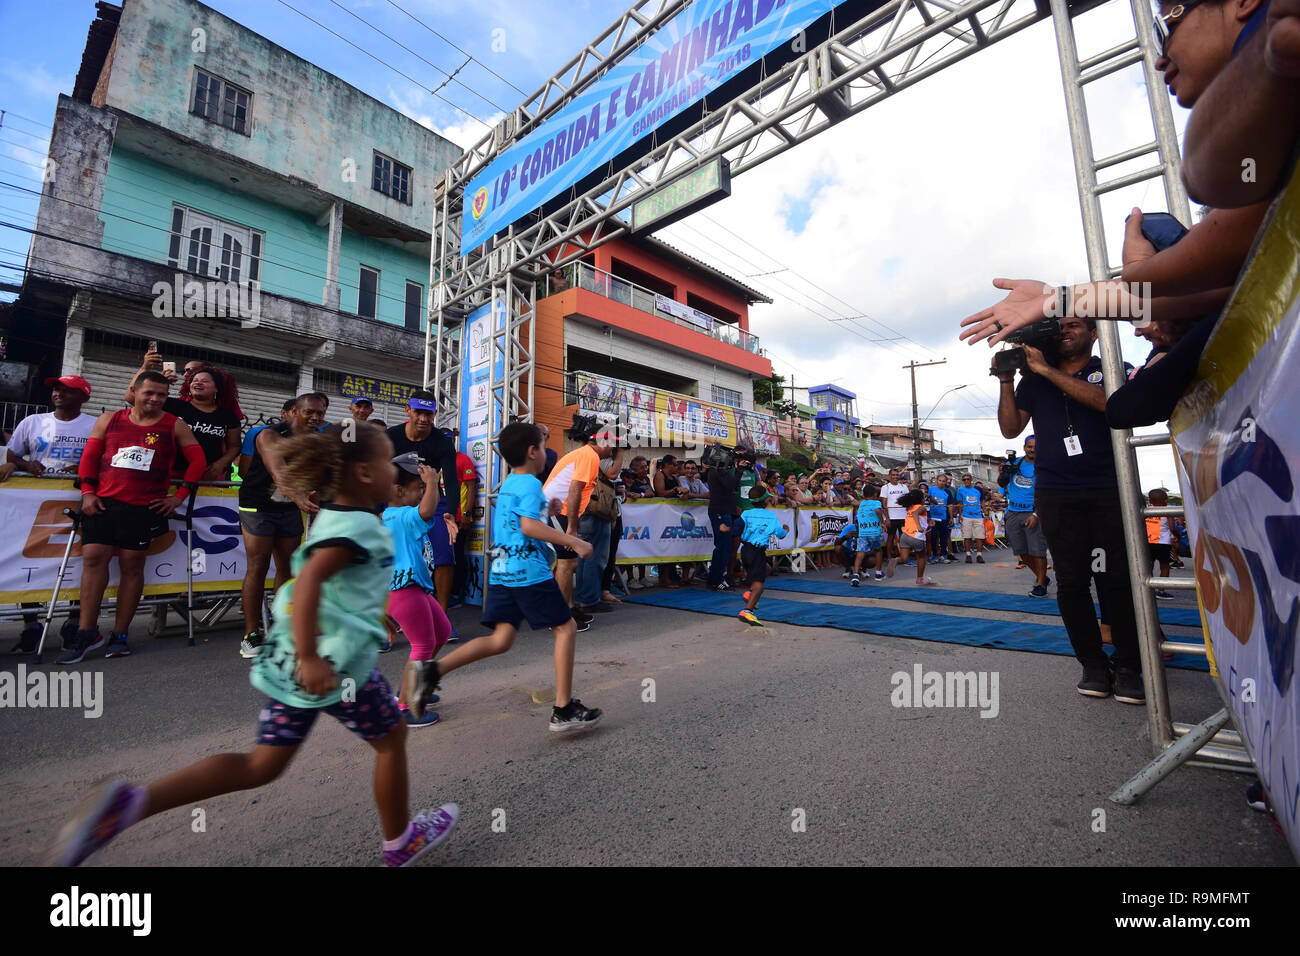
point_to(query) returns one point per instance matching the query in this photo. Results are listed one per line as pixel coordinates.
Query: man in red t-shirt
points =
(125, 476)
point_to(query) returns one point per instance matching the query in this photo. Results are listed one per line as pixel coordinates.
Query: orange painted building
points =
(640, 311)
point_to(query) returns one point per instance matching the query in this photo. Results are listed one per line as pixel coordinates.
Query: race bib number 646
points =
(134, 457)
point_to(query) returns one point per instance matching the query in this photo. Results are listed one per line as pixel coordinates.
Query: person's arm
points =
(152, 360)
(1242, 133)
(544, 532)
(15, 461)
(88, 469)
(217, 470)
(429, 502)
(574, 502)
(315, 674)
(269, 447)
(1210, 256)
(1012, 419)
(1089, 396)
(196, 464)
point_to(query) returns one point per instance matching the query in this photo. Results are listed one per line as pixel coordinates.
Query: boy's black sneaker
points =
(573, 716)
(581, 626)
(581, 616)
(86, 641)
(1128, 686)
(855, 581)
(1096, 680)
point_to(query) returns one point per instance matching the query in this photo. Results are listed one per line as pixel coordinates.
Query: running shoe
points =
(100, 817)
(880, 575)
(581, 616)
(428, 829)
(979, 559)
(419, 681)
(855, 581)
(1164, 595)
(924, 581)
(969, 559)
(723, 588)
(1095, 681)
(385, 647)
(847, 574)
(27, 640)
(1038, 590)
(86, 642)
(573, 716)
(1128, 686)
(117, 646)
(749, 617)
(69, 633)
(453, 637)
(581, 626)
(1256, 798)
(251, 643)
(428, 719)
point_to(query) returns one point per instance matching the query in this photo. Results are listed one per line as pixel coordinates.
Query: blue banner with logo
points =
(476, 406)
(696, 52)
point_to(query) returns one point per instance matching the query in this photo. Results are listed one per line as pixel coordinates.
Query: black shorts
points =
(561, 552)
(1158, 552)
(542, 604)
(754, 561)
(272, 523)
(896, 525)
(120, 525)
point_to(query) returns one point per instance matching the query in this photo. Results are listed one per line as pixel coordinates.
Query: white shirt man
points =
(52, 441)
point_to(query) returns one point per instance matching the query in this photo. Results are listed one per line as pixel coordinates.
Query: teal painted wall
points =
(137, 209)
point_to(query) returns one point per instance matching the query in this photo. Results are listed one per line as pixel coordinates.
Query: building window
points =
(367, 292)
(726, 396)
(213, 248)
(414, 297)
(221, 102)
(392, 178)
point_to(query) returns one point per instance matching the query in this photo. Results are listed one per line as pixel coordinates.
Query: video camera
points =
(584, 428)
(1041, 335)
(718, 456)
(1004, 473)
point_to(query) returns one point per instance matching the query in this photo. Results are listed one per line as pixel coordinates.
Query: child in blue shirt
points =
(871, 534)
(520, 581)
(319, 657)
(412, 510)
(760, 531)
(846, 547)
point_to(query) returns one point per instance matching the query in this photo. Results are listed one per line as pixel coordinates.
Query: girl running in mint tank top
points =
(319, 656)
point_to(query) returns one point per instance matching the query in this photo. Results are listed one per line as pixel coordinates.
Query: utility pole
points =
(916, 420)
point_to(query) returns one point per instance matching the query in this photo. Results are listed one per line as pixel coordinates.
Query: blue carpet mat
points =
(943, 628)
(987, 600)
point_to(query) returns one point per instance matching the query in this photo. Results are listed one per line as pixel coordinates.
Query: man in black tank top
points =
(272, 522)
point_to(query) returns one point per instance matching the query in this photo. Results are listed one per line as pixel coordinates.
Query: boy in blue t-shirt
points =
(871, 534)
(761, 527)
(520, 581)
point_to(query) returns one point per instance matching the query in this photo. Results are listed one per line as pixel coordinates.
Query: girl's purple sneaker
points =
(428, 830)
(102, 815)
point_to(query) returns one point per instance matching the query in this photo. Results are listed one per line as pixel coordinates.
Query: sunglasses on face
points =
(1165, 24)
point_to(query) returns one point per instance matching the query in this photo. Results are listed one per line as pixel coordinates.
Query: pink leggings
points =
(422, 620)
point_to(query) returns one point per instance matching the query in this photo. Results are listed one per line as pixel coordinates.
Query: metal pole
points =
(1126, 470)
(1170, 760)
(441, 255)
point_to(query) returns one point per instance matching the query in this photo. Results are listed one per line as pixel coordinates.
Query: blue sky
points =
(899, 218)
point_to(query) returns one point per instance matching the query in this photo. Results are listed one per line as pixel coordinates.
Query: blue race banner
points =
(697, 51)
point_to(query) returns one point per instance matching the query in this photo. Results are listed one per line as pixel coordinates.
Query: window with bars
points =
(726, 396)
(392, 178)
(214, 248)
(220, 101)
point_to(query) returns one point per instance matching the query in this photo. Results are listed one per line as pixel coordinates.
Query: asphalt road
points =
(774, 745)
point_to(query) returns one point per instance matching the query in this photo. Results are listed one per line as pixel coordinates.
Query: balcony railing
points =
(584, 276)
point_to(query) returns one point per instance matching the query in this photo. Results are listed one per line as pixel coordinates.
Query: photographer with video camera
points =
(723, 479)
(1076, 495)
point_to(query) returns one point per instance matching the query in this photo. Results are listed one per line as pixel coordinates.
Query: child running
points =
(520, 583)
(845, 544)
(412, 510)
(320, 656)
(912, 537)
(761, 526)
(871, 534)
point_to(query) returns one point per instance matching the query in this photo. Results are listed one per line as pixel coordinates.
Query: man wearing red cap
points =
(52, 441)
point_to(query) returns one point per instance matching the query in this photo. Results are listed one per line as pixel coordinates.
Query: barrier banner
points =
(664, 529)
(32, 508)
(819, 527)
(1237, 441)
(631, 404)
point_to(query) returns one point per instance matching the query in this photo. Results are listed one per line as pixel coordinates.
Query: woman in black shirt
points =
(210, 416)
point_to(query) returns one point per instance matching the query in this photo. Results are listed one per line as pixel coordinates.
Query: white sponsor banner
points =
(1237, 439)
(682, 311)
(32, 510)
(819, 527)
(664, 529)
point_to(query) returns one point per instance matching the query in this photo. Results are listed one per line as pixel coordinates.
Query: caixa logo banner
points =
(30, 558)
